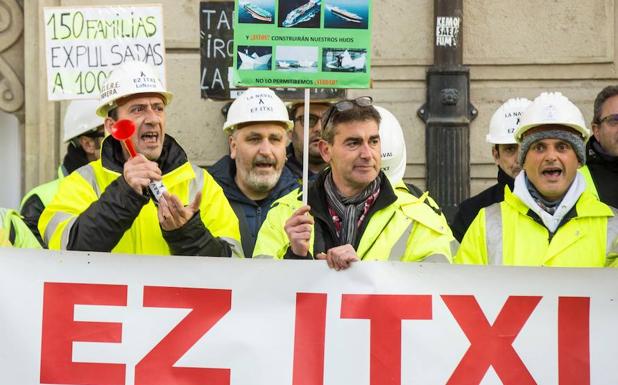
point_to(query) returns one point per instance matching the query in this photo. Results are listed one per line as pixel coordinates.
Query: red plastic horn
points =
(122, 130)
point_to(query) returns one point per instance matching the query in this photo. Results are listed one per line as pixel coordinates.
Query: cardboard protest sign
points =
(83, 45)
(216, 48)
(302, 43)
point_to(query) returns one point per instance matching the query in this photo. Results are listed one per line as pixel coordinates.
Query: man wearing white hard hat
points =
(353, 213)
(550, 219)
(254, 175)
(106, 206)
(84, 132)
(504, 151)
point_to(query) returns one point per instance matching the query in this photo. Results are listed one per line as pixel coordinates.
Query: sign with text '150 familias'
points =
(83, 45)
(103, 319)
(302, 43)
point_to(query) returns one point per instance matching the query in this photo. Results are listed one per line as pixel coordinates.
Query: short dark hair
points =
(295, 106)
(355, 114)
(602, 96)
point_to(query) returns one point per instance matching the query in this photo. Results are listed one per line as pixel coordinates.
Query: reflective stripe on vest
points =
(235, 246)
(612, 233)
(493, 234)
(197, 184)
(263, 256)
(53, 223)
(87, 172)
(399, 248)
(64, 241)
(436, 258)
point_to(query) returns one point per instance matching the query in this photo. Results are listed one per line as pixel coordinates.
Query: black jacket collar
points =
(505, 179)
(596, 155)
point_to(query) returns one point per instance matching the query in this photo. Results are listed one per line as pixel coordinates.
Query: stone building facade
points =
(512, 49)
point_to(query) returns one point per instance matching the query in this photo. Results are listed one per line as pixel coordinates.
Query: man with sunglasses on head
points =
(84, 132)
(295, 148)
(601, 170)
(353, 212)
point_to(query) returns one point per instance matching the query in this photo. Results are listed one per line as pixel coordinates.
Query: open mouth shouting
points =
(264, 164)
(552, 173)
(150, 137)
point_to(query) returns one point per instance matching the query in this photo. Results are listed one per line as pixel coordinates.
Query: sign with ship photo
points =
(302, 43)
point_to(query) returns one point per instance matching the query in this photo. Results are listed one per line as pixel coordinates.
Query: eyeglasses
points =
(313, 120)
(345, 105)
(611, 120)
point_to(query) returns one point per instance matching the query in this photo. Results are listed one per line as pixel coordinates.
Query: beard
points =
(259, 181)
(316, 159)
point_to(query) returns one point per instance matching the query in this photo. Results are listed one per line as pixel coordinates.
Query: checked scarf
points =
(348, 213)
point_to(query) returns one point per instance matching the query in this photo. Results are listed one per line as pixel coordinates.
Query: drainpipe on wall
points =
(448, 112)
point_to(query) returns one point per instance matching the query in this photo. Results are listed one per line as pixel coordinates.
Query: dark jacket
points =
(251, 214)
(604, 171)
(324, 228)
(296, 165)
(469, 208)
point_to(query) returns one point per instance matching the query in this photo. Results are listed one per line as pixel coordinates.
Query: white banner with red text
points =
(97, 318)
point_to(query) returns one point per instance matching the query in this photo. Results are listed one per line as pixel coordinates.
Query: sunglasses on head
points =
(346, 105)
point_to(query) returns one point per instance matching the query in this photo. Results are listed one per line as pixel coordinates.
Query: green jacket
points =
(399, 226)
(14, 231)
(35, 201)
(507, 233)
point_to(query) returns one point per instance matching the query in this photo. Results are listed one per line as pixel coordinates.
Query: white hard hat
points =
(552, 108)
(393, 145)
(80, 118)
(504, 121)
(130, 78)
(257, 105)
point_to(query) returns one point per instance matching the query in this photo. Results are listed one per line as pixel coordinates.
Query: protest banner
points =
(97, 318)
(302, 43)
(83, 45)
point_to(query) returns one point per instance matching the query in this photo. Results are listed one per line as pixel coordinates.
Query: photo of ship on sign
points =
(254, 57)
(256, 11)
(300, 13)
(344, 60)
(297, 59)
(353, 14)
